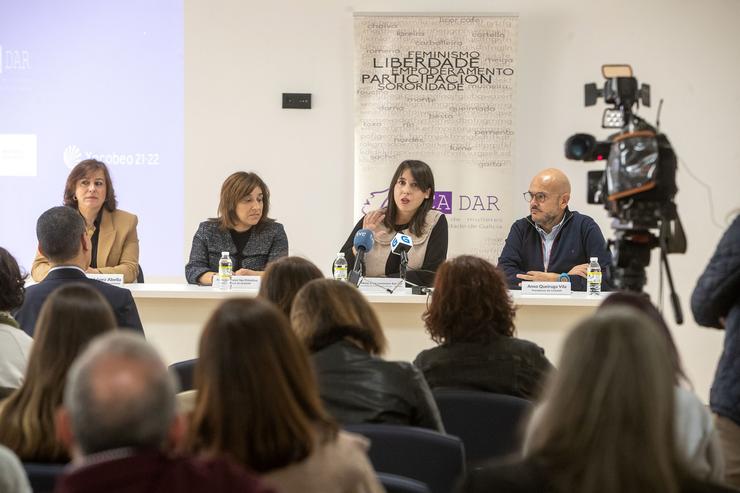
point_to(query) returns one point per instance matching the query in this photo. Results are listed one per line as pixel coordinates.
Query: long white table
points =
(173, 316)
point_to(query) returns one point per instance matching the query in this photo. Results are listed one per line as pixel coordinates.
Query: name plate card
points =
(540, 288)
(245, 283)
(114, 279)
(380, 285)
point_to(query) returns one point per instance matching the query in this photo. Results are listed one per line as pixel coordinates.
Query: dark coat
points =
(120, 299)
(506, 365)
(578, 240)
(717, 295)
(357, 387)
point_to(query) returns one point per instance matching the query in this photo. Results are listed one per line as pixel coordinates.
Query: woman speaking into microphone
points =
(409, 211)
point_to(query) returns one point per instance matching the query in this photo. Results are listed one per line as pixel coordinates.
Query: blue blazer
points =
(120, 299)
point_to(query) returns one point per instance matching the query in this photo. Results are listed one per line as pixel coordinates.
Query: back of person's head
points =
(607, 421)
(119, 394)
(59, 230)
(284, 277)
(471, 302)
(327, 311)
(258, 400)
(70, 318)
(642, 303)
(12, 282)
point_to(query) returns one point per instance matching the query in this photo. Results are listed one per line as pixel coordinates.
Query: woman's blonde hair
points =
(607, 422)
(327, 311)
(70, 318)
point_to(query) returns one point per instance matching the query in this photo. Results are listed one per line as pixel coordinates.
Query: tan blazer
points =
(118, 248)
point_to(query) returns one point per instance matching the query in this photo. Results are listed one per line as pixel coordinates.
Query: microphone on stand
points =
(400, 245)
(363, 243)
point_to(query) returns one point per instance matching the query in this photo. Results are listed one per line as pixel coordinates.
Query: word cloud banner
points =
(440, 89)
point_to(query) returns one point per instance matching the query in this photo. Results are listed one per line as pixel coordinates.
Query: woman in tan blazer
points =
(113, 232)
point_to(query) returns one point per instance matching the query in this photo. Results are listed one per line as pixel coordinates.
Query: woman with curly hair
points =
(471, 317)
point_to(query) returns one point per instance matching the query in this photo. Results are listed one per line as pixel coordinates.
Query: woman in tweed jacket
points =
(242, 228)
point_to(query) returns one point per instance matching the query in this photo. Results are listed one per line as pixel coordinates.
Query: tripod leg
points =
(677, 312)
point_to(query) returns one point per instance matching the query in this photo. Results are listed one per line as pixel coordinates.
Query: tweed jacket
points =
(267, 243)
(118, 248)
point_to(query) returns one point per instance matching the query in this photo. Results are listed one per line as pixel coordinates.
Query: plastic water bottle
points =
(340, 267)
(593, 278)
(224, 272)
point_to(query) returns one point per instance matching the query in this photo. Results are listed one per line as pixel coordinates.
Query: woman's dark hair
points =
(83, 169)
(424, 178)
(284, 277)
(642, 303)
(471, 303)
(72, 316)
(234, 189)
(12, 282)
(258, 400)
(326, 311)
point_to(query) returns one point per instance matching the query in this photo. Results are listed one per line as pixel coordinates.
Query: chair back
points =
(43, 476)
(399, 484)
(185, 371)
(489, 424)
(427, 456)
(140, 276)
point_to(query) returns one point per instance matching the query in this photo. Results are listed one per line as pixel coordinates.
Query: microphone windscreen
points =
(364, 240)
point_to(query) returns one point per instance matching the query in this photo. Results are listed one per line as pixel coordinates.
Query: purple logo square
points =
(443, 202)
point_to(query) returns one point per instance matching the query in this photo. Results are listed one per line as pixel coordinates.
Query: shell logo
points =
(72, 156)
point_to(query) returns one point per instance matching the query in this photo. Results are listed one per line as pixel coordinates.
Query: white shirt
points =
(548, 239)
(15, 347)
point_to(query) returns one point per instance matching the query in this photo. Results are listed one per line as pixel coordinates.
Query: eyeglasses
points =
(539, 197)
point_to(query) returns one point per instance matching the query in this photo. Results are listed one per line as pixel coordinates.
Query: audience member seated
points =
(284, 277)
(471, 317)
(13, 478)
(242, 228)
(70, 318)
(64, 241)
(114, 242)
(608, 422)
(15, 345)
(257, 402)
(340, 329)
(119, 417)
(696, 436)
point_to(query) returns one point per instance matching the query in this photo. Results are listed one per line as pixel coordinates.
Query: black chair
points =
(43, 476)
(489, 424)
(140, 276)
(430, 457)
(184, 371)
(399, 484)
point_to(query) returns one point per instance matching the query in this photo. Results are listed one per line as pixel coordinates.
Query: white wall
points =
(241, 55)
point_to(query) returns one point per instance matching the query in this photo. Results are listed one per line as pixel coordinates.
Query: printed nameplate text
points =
(539, 288)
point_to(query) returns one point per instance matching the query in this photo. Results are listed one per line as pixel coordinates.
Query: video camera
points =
(638, 184)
